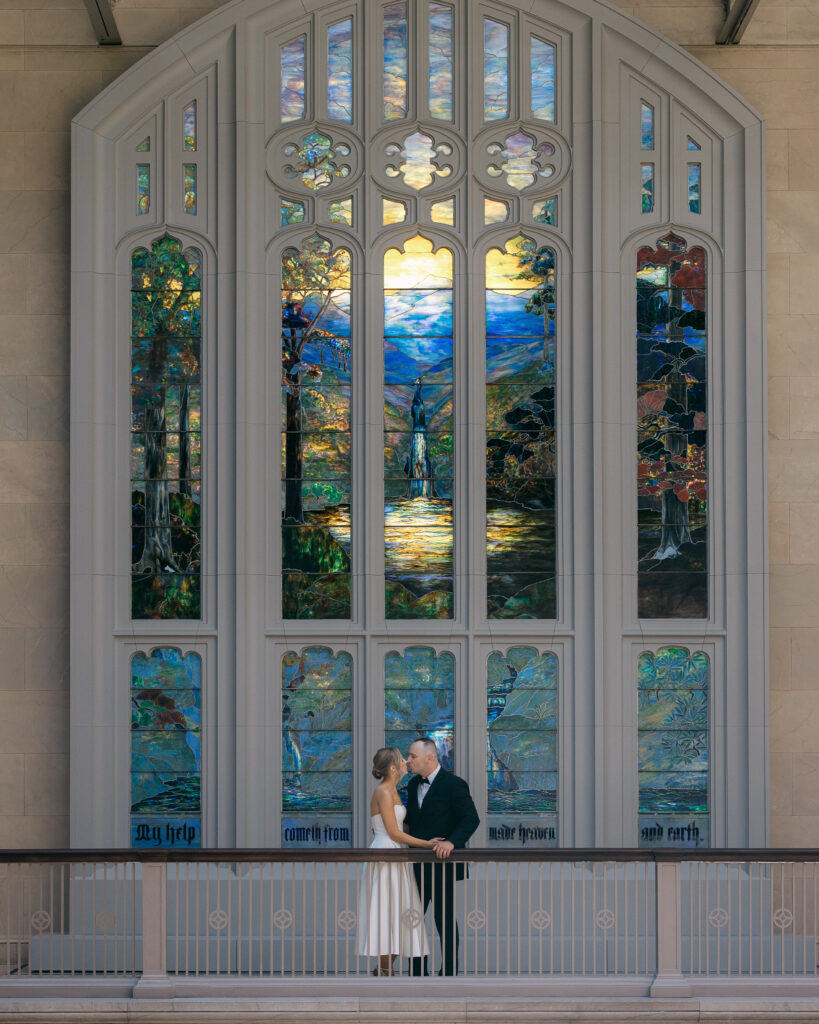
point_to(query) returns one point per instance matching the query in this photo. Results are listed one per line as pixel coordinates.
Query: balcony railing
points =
(664, 923)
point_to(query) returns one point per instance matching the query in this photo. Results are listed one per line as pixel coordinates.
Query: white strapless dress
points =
(390, 916)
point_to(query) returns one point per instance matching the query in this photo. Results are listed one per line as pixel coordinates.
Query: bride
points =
(388, 889)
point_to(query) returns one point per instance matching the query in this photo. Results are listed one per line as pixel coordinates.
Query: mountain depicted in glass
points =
(166, 730)
(520, 431)
(166, 402)
(316, 355)
(521, 747)
(673, 760)
(316, 751)
(418, 432)
(672, 479)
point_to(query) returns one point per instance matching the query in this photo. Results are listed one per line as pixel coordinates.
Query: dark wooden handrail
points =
(503, 856)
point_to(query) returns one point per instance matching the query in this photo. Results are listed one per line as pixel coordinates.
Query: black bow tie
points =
(425, 782)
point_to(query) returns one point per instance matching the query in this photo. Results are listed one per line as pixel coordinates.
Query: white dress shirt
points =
(423, 788)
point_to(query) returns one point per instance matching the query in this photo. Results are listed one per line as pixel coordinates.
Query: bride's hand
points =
(432, 843)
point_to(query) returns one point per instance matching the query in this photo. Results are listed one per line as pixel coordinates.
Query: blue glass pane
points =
(543, 79)
(647, 187)
(292, 80)
(340, 71)
(440, 61)
(646, 126)
(395, 61)
(694, 188)
(495, 70)
(419, 699)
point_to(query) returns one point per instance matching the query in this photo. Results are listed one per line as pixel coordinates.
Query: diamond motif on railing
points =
(524, 161)
(604, 918)
(476, 919)
(218, 920)
(282, 918)
(347, 920)
(40, 920)
(411, 918)
(718, 917)
(105, 921)
(420, 161)
(783, 918)
(540, 919)
(317, 162)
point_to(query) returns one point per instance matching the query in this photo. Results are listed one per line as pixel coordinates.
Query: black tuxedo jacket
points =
(447, 811)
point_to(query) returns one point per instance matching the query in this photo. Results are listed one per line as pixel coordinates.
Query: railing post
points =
(669, 981)
(154, 983)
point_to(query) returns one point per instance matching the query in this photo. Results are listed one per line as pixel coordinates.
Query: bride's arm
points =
(386, 808)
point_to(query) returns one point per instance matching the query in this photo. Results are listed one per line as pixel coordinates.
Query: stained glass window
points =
(692, 144)
(393, 212)
(316, 351)
(166, 730)
(673, 698)
(189, 126)
(340, 71)
(418, 431)
(396, 58)
(672, 431)
(317, 748)
(546, 212)
(166, 398)
(292, 212)
(647, 188)
(543, 79)
(317, 161)
(190, 188)
(521, 754)
(143, 203)
(440, 61)
(520, 431)
(341, 211)
(495, 70)
(419, 160)
(293, 58)
(419, 700)
(144, 146)
(443, 212)
(646, 126)
(694, 188)
(494, 211)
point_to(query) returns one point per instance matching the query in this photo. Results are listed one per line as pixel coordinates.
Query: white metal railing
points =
(667, 923)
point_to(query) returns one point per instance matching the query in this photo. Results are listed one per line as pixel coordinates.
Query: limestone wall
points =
(50, 66)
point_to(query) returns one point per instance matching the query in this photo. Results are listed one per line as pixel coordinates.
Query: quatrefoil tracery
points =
(523, 161)
(419, 160)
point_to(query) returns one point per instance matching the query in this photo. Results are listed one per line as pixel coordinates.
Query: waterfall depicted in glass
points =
(495, 70)
(316, 431)
(293, 60)
(340, 71)
(396, 61)
(646, 188)
(316, 688)
(143, 196)
(189, 126)
(672, 479)
(521, 747)
(646, 126)
(440, 61)
(520, 431)
(166, 767)
(542, 70)
(673, 698)
(694, 188)
(418, 439)
(166, 402)
(419, 700)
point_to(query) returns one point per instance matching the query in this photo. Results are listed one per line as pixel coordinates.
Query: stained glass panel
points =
(144, 146)
(546, 212)
(165, 749)
(673, 747)
(443, 212)
(647, 188)
(692, 144)
(393, 212)
(165, 431)
(646, 126)
(316, 353)
(292, 212)
(521, 757)
(340, 71)
(293, 59)
(494, 211)
(542, 70)
(440, 61)
(396, 59)
(317, 748)
(190, 188)
(341, 211)
(520, 438)
(189, 126)
(418, 438)
(672, 479)
(694, 188)
(143, 203)
(495, 70)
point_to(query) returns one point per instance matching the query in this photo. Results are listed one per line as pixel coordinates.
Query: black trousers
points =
(437, 885)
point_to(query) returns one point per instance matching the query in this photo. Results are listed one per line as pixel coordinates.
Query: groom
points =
(438, 804)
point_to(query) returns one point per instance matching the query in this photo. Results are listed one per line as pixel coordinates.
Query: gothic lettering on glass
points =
(292, 80)
(340, 71)
(316, 352)
(440, 61)
(396, 61)
(672, 481)
(418, 431)
(521, 747)
(166, 764)
(673, 699)
(495, 70)
(520, 431)
(542, 69)
(317, 713)
(166, 397)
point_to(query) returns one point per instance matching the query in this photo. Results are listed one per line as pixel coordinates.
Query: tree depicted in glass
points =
(520, 431)
(673, 699)
(166, 401)
(315, 431)
(316, 689)
(165, 749)
(521, 747)
(672, 364)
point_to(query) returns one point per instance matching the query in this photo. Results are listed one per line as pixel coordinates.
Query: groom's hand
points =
(443, 849)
